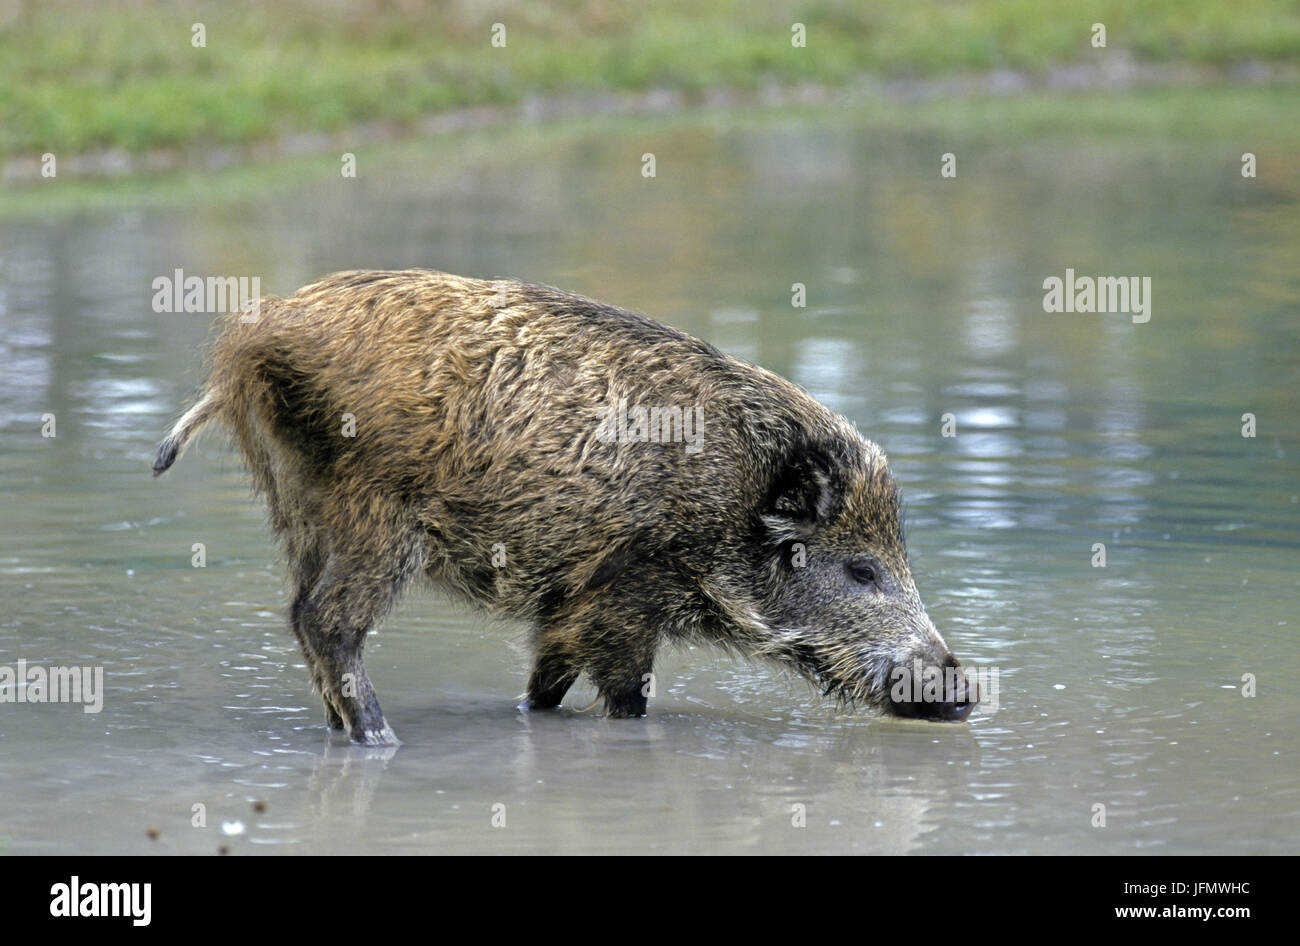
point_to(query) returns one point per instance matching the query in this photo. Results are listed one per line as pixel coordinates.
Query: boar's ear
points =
(804, 492)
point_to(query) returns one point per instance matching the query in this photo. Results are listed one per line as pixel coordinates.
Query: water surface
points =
(1118, 686)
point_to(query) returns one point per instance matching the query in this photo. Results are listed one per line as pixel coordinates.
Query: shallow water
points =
(1118, 686)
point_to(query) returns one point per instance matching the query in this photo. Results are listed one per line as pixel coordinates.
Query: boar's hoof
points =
(332, 718)
(376, 737)
(623, 706)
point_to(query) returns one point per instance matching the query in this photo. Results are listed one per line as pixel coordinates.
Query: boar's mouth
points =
(890, 688)
(940, 693)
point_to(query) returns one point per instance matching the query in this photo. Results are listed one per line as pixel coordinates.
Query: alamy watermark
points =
(37, 684)
(76, 898)
(211, 294)
(1128, 294)
(933, 684)
(657, 424)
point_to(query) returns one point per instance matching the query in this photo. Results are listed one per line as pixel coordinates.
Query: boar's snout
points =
(937, 691)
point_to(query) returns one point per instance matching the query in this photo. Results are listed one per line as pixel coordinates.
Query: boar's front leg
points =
(619, 654)
(555, 670)
(613, 643)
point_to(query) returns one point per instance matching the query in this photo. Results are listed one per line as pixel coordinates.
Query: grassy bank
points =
(81, 76)
(1235, 117)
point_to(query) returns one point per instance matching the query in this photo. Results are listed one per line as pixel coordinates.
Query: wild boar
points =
(614, 482)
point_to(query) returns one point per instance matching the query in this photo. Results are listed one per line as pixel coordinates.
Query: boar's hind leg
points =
(302, 619)
(307, 561)
(352, 593)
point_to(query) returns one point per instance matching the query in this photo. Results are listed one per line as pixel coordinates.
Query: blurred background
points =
(1171, 152)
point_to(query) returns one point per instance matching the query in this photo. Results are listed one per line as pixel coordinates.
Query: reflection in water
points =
(343, 784)
(1120, 684)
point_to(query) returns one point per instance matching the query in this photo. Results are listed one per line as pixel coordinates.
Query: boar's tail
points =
(205, 410)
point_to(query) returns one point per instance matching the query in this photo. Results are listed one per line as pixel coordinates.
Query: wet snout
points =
(937, 690)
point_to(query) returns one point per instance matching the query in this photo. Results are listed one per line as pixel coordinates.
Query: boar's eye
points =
(864, 573)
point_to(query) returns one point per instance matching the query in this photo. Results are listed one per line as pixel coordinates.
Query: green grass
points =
(81, 76)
